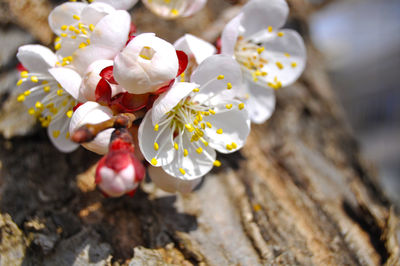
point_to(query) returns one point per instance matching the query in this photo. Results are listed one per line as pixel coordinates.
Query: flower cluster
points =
(143, 102)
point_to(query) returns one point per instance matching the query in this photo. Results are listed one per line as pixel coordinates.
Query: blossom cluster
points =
(144, 103)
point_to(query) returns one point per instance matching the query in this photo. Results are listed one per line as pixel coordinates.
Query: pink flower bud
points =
(119, 172)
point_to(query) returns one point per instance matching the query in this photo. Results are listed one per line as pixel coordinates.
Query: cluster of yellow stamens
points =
(46, 99)
(252, 59)
(191, 119)
(77, 31)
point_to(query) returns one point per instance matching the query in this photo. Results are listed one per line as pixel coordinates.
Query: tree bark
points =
(298, 193)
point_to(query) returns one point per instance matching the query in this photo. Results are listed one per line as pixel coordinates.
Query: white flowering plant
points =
(149, 106)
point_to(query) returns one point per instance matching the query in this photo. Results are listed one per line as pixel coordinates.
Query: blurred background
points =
(361, 42)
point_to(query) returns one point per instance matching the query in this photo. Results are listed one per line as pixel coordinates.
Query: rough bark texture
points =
(298, 193)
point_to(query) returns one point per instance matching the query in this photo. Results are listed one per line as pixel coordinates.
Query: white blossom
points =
(146, 64)
(193, 119)
(270, 57)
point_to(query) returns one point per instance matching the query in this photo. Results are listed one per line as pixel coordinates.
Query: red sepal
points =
(131, 193)
(118, 145)
(127, 102)
(20, 67)
(103, 92)
(101, 163)
(165, 88)
(130, 38)
(140, 171)
(183, 61)
(218, 45)
(76, 106)
(132, 29)
(107, 74)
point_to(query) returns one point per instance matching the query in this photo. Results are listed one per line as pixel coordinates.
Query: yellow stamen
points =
(182, 171)
(220, 77)
(176, 146)
(199, 150)
(241, 106)
(229, 85)
(217, 163)
(185, 152)
(156, 127)
(228, 106)
(156, 147)
(220, 131)
(69, 113)
(154, 161)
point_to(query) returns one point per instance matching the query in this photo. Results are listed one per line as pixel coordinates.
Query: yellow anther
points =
(91, 27)
(280, 34)
(60, 92)
(34, 79)
(287, 55)
(220, 77)
(212, 111)
(189, 127)
(64, 27)
(209, 125)
(19, 82)
(228, 106)
(294, 64)
(80, 25)
(279, 65)
(229, 85)
(76, 17)
(263, 73)
(270, 28)
(64, 35)
(241, 106)
(204, 142)
(206, 113)
(82, 45)
(185, 152)
(175, 12)
(27, 93)
(57, 39)
(203, 126)
(84, 31)
(260, 50)
(46, 88)
(217, 163)
(57, 46)
(196, 90)
(71, 28)
(156, 147)
(88, 41)
(21, 98)
(154, 161)
(56, 133)
(31, 111)
(199, 150)
(24, 74)
(67, 135)
(69, 113)
(39, 105)
(234, 145)
(73, 37)
(229, 147)
(176, 146)
(220, 131)
(182, 171)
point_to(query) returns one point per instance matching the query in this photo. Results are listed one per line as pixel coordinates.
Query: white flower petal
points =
(259, 14)
(235, 125)
(58, 134)
(69, 79)
(93, 113)
(146, 64)
(197, 47)
(108, 38)
(120, 4)
(170, 183)
(194, 7)
(230, 34)
(288, 50)
(260, 104)
(92, 78)
(170, 99)
(63, 15)
(148, 137)
(36, 58)
(94, 12)
(214, 74)
(195, 164)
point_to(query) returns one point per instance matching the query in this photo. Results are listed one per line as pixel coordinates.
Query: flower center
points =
(167, 8)
(250, 57)
(78, 31)
(46, 99)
